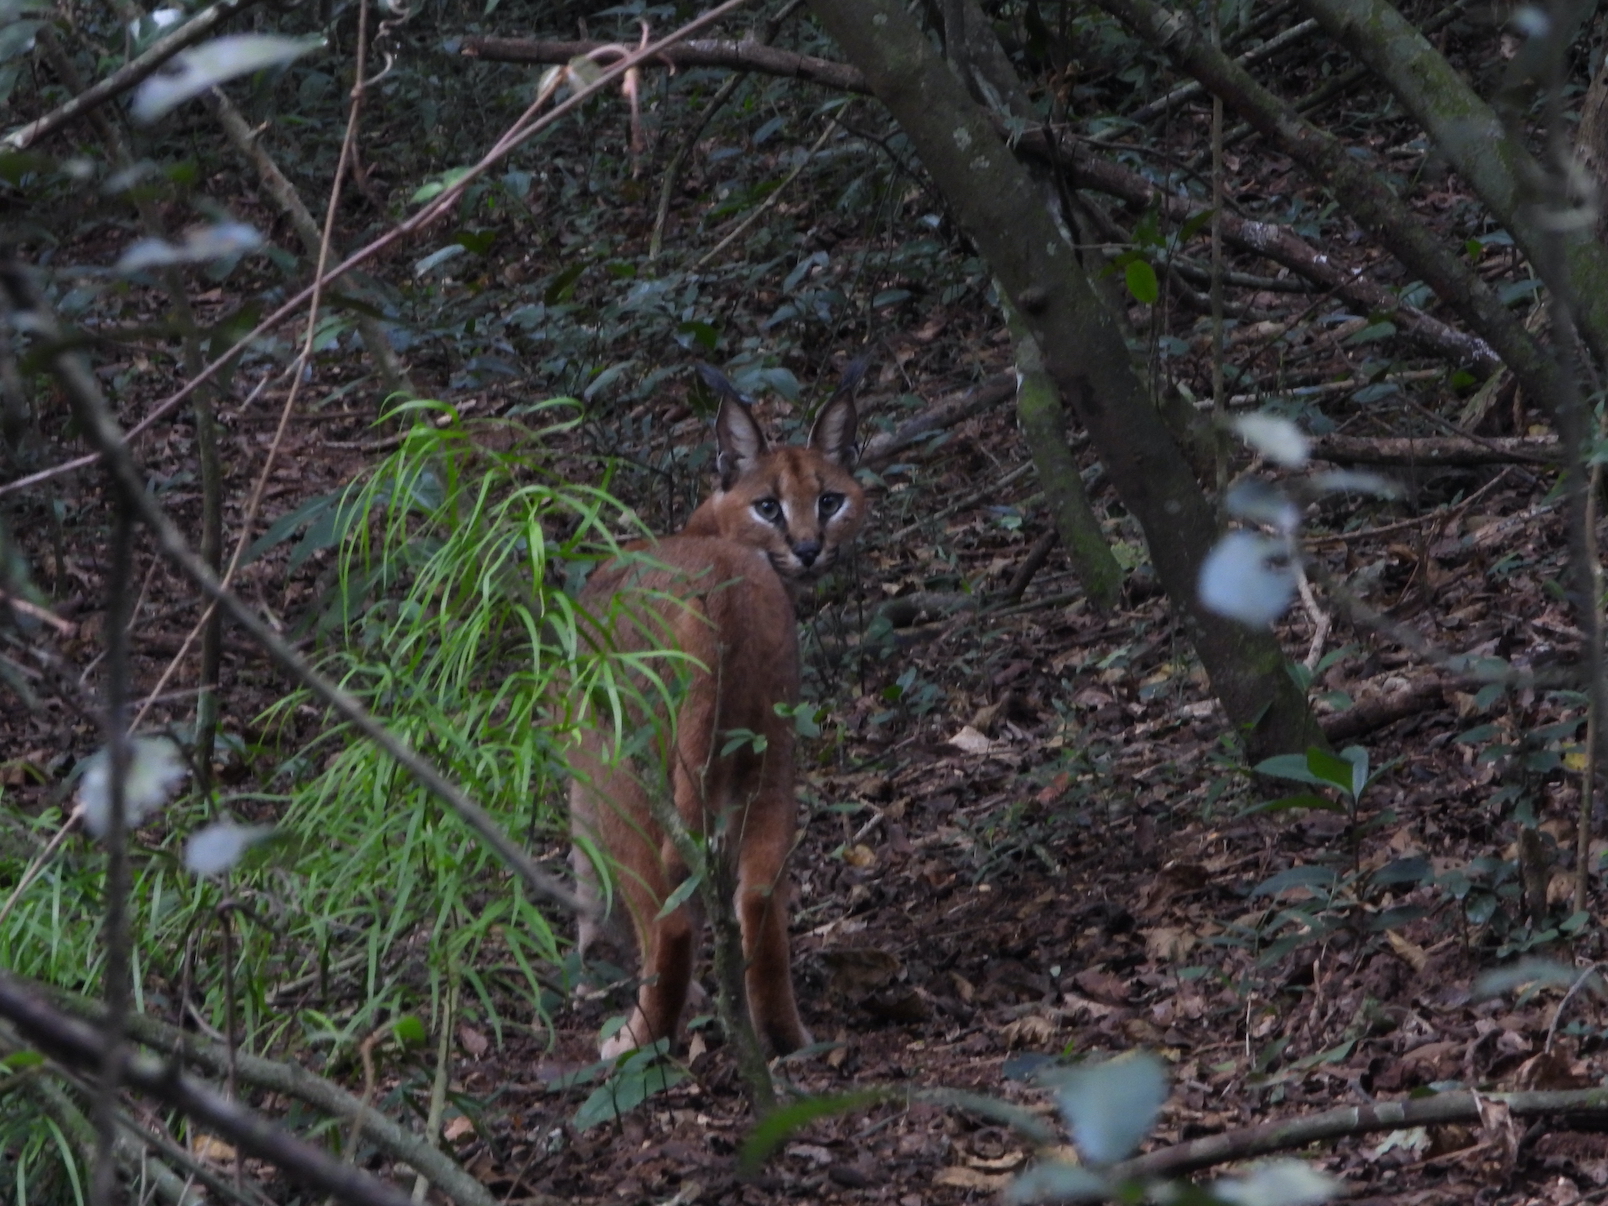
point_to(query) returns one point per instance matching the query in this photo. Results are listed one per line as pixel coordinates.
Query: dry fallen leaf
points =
(1408, 951)
(211, 1150)
(1168, 942)
(1035, 1030)
(860, 855)
(970, 741)
(472, 1041)
(459, 1128)
(971, 1178)
(859, 970)
(1009, 1162)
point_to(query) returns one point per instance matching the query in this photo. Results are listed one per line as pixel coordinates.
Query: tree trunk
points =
(1084, 352)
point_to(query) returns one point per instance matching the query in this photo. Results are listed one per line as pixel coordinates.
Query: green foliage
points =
(641, 1074)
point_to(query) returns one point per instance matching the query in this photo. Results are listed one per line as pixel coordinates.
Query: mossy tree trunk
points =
(1084, 351)
(1038, 408)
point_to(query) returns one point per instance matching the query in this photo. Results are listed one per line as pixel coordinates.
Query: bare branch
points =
(80, 1047)
(523, 130)
(126, 76)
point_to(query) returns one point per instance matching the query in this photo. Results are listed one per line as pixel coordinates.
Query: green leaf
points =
(282, 528)
(1195, 224)
(1502, 980)
(1414, 869)
(1335, 771)
(703, 334)
(563, 286)
(1141, 278)
(780, 1124)
(437, 185)
(1358, 758)
(737, 738)
(678, 898)
(193, 71)
(410, 1031)
(477, 241)
(1290, 766)
(643, 1075)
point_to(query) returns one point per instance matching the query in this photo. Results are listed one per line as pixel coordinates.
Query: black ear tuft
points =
(719, 385)
(835, 424)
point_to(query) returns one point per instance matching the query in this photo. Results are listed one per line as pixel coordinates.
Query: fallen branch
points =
(1436, 450)
(1444, 1109)
(702, 52)
(81, 1048)
(125, 77)
(940, 415)
(1380, 710)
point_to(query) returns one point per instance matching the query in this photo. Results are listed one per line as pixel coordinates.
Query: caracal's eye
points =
(830, 505)
(769, 509)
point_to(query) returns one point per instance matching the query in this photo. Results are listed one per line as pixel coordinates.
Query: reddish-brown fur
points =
(720, 593)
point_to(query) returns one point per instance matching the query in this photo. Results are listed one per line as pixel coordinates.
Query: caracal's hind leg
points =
(668, 945)
(762, 911)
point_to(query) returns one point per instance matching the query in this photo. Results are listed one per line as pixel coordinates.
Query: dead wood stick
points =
(700, 52)
(942, 414)
(1193, 88)
(1349, 1121)
(1382, 710)
(1436, 450)
(1036, 557)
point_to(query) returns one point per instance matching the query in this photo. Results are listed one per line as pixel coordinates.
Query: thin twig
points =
(127, 76)
(764, 206)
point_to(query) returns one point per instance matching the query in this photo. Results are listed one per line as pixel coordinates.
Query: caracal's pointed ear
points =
(740, 441)
(833, 433)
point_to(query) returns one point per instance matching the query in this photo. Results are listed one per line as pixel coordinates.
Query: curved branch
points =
(1358, 188)
(1349, 1121)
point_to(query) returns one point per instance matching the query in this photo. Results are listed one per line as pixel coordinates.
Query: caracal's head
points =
(797, 504)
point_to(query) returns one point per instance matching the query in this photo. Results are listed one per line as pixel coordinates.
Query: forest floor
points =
(1041, 849)
(1032, 837)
